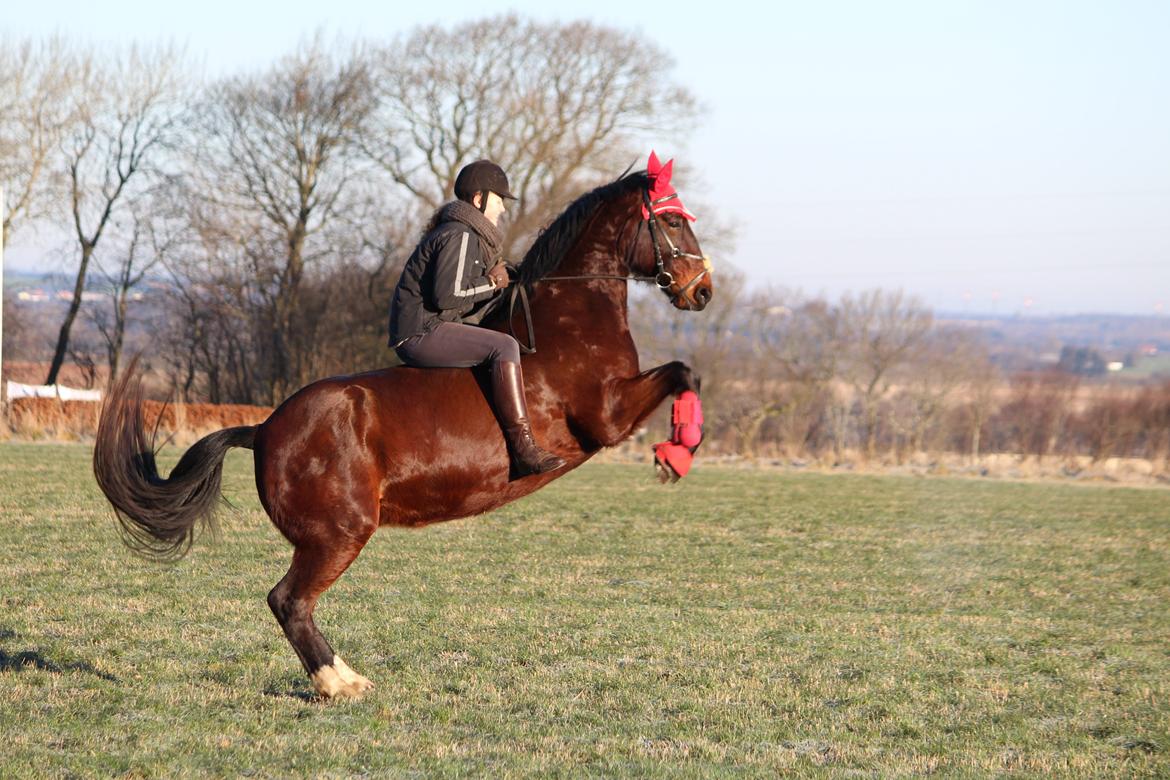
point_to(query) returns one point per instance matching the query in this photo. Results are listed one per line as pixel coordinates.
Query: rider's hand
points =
(499, 276)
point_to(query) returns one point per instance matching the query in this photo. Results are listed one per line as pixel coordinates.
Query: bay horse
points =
(408, 447)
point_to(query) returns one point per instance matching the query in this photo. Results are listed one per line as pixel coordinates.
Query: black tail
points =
(158, 516)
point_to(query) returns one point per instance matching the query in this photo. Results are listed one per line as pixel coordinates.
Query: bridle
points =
(663, 278)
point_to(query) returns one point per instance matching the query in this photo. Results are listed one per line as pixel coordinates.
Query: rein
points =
(663, 278)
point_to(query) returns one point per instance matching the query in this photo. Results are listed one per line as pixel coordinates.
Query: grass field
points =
(740, 623)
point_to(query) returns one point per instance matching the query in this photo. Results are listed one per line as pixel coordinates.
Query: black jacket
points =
(444, 278)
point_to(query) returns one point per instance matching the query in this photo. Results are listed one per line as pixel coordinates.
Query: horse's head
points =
(666, 247)
(634, 228)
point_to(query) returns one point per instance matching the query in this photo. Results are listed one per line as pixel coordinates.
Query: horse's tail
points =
(157, 516)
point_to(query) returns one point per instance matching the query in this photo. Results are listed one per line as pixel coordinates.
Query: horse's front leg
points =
(628, 402)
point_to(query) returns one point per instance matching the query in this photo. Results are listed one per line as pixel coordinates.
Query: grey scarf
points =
(491, 239)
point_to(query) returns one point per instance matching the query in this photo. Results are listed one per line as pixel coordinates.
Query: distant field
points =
(739, 623)
(1150, 367)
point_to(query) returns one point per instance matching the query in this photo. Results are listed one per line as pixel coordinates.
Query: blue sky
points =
(987, 156)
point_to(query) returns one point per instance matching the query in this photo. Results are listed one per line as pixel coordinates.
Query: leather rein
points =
(663, 278)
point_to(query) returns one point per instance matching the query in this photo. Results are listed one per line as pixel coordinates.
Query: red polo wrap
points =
(677, 457)
(686, 417)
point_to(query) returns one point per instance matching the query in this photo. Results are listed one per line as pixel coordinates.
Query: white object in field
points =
(18, 390)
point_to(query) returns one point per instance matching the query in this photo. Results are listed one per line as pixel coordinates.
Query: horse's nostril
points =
(703, 296)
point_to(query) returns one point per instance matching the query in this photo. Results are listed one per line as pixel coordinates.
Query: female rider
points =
(455, 266)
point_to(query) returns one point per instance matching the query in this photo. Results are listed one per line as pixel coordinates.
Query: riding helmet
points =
(479, 176)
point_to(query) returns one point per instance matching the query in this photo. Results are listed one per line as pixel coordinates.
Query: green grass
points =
(740, 623)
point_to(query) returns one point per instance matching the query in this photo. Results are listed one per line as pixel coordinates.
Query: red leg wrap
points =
(686, 418)
(674, 456)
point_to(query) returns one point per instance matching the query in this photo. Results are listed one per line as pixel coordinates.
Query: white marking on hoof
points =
(350, 676)
(338, 681)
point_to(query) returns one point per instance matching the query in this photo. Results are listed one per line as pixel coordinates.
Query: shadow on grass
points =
(292, 689)
(16, 662)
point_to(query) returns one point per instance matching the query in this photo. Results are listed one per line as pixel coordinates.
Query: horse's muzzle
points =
(702, 297)
(694, 296)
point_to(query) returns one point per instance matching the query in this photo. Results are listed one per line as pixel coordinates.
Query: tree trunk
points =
(286, 377)
(870, 430)
(119, 336)
(70, 316)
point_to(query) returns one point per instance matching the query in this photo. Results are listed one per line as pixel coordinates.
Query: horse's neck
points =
(583, 293)
(589, 312)
(599, 252)
(601, 247)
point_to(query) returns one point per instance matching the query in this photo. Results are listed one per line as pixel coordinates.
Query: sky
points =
(988, 157)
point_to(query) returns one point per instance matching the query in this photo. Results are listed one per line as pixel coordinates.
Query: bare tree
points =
(210, 337)
(20, 332)
(780, 366)
(804, 353)
(1154, 409)
(275, 168)
(1110, 425)
(933, 376)
(1033, 419)
(123, 270)
(125, 112)
(559, 106)
(983, 384)
(879, 330)
(35, 111)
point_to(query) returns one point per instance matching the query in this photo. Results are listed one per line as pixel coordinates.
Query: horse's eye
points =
(674, 222)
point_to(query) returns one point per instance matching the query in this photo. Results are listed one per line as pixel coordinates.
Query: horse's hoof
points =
(338, 681)
(353, 691)
(665, 473)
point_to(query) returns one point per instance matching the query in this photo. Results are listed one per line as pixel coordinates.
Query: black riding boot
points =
(508, 396)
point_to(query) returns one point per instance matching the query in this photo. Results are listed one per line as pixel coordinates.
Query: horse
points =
(404, 446)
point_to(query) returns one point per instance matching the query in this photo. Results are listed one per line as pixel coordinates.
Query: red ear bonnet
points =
(663, 197)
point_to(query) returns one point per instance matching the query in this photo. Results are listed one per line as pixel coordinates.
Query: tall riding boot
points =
(508, 397)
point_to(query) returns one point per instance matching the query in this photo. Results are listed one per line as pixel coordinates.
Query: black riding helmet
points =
(482, 176)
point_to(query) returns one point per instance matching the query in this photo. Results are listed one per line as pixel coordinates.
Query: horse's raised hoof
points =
(338, 681)
(665, 473)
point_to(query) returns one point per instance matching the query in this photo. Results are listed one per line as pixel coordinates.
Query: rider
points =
(455, 266)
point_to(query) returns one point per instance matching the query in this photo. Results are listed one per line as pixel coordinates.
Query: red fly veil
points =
(663, 197)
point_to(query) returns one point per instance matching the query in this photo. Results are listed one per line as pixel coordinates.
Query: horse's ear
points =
(665, 173)
(654, 166)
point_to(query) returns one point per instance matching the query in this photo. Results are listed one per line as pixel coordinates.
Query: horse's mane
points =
(550, 246)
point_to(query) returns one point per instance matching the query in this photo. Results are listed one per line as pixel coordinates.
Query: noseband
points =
(663, 278)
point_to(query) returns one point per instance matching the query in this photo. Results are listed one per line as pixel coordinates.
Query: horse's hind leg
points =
(315, 566)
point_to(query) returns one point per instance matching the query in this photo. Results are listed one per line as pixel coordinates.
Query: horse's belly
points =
(450, 492)
(421, 491)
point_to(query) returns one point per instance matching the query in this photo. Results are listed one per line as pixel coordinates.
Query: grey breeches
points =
(454, 345)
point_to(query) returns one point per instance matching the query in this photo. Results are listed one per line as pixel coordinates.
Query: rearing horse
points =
(408, 447)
